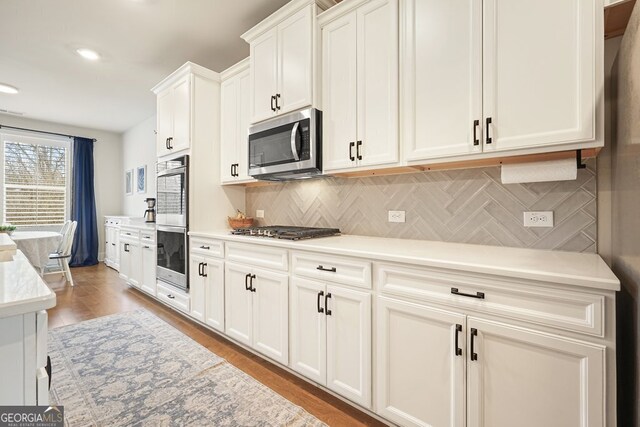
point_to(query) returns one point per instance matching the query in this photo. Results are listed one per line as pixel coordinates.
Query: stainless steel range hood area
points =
(287, 148)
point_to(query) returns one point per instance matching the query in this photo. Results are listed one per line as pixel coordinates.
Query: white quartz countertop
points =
(570, 268)
(22, 290)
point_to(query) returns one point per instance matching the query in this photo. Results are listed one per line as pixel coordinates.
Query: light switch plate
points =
(397, 216)
(259, 213)
(538, 219)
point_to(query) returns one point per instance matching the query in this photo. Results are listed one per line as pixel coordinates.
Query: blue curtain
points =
(83, 205)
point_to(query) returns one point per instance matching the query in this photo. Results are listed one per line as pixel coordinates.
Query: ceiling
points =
(140, 41)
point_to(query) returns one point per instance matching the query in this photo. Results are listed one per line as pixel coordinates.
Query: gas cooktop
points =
(286, 232)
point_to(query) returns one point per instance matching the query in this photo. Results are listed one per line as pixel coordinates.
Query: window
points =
(35, 180)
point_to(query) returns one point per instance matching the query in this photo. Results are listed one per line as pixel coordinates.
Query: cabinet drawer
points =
(206, 247)
(346, 271)
(173, 297)
(148, 237)
(129, 234)
(260, 256)
(559, 308)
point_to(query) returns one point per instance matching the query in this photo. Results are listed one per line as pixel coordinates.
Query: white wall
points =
(139, 149)
(107, 164)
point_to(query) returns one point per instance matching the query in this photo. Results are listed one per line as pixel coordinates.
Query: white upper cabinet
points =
(282, 59)
(360, 84)
(173, 113)
(339, 93)
(295, 61)
(234, 125)
(541, 84)
(264, 76)
(483, 76)
(441, 69)
(176, 100)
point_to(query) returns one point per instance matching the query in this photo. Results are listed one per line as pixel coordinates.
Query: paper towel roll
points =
(552, 170)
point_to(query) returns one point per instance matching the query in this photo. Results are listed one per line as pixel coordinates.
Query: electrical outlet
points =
(259, 213)
(538, 219)
(397, 216)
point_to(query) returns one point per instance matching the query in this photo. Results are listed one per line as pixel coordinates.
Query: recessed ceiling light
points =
(89, 54)
(5, 88)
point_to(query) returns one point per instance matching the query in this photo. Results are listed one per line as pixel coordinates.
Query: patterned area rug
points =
(135, 369)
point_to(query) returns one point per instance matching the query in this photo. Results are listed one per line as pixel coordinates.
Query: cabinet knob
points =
(488, 130)
(358, 154)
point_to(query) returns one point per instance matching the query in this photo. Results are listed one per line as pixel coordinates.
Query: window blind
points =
(35, 183)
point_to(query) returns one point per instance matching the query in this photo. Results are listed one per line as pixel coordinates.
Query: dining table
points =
(37, 246)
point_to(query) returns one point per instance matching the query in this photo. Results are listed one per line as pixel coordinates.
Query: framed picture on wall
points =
(141, 179)
(128, 182)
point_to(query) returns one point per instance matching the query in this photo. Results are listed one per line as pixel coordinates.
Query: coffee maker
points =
(150, 213)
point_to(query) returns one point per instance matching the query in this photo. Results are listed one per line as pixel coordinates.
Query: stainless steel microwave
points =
(287, 147)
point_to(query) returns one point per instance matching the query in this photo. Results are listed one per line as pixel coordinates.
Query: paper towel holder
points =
(579, 163)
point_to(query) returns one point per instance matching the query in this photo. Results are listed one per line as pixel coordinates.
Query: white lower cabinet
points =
(125, 260)
(213, 271)
(514, 375)
(24, 366)
(256, 307)
(536, 378)
(331, 337)
(148, 282)
(207, 291)
(135, 272)
(420, 366)
(197, 285)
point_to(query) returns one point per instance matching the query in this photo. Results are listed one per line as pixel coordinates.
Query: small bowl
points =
(236, 223)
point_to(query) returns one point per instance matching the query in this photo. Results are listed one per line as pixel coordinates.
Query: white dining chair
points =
(63, 254)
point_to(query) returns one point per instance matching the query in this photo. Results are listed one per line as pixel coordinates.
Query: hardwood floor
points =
(99, 292)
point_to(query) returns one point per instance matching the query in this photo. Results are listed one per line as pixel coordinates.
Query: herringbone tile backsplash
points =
(469, 206)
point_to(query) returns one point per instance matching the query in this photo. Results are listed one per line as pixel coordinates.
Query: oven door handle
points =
(173, 171)
(294, 133)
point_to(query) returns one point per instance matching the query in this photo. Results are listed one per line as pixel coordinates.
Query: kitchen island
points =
(24, 298)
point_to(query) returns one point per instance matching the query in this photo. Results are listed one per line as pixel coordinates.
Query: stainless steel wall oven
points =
(172, 219)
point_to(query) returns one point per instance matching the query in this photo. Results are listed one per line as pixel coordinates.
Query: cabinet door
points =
(107, 245)
(308, 329)
(164, 124)
(540, 86)
(244, 96)
(214, 293)
(420, 375)
(295, 61)
(349, 344)
(197, 288)
(135, 261)
(181, 114)
(125, 261)
(377, 82)
(264, 83)
(148, 283)
(532, 378)
(339, 92)
(228, 128)
(237, 306)
(271, 314)
(117, 249)
(441, 81)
